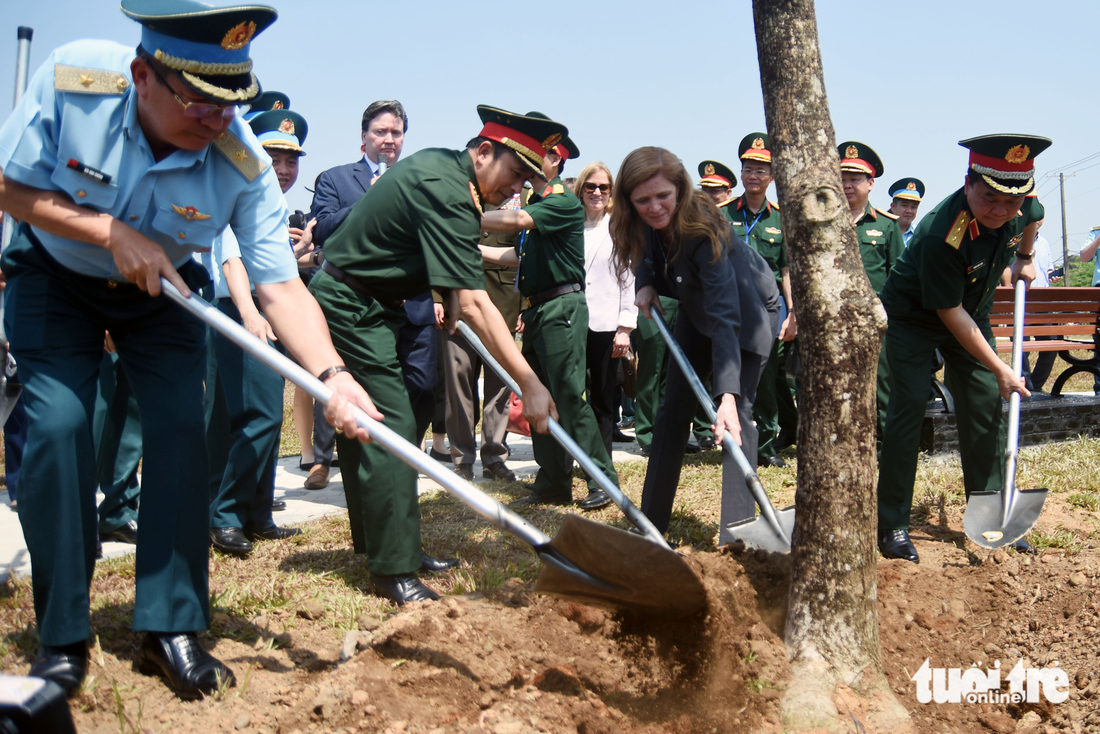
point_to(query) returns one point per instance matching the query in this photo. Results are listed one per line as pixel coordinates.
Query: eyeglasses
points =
(198, 110)
(591, 188)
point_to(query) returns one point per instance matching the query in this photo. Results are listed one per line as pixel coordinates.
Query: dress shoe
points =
(431, 564)
(278, 505)
(273, 532)
(122, 534)
(707, 443)
(785, 441)
(620, 437)
(184, 664)
(775, 461)
(230, 540)
(626, 423)
(896, 544)
(1022, 546)
(497, 470)
(466, 471)
(439, 455)
(65, 665)
(318, 477)
(691, 448)
(644, 450)
(596, 499)
(401, 588)
(545, 498)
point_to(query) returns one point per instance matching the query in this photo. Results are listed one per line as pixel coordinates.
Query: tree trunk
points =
(832, 633)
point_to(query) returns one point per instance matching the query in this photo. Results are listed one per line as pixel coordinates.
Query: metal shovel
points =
(585, 561)
(561, 436)
(994, 519)
(773, 530)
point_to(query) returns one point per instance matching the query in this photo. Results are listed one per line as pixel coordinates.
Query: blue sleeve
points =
(259, 222)
(28, 140)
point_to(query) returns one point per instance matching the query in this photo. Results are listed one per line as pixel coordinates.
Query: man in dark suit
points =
(384, 127)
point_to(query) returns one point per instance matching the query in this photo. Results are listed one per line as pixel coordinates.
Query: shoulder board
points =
(240, 155)
(558, 189)
(774, 205)
(477, 199)
(88, 81)
(887, 214)
(958, 229)
(727, 202)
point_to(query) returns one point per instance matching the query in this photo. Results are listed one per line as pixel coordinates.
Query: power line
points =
(1078, 162)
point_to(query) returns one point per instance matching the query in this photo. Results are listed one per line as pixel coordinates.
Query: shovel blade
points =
(759, 533)
(617, 569)
(983, 518)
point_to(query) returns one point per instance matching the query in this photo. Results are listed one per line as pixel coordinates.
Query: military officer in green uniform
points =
(756, 221)
(880, 242)
(938, 297)
(417, 228)
(550, 254)
(905, 198)
(717, 181)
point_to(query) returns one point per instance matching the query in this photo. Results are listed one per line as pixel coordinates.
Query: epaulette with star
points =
(240, 155)
(888, 214)
(958, 229)
(88, 81)
(727, 202)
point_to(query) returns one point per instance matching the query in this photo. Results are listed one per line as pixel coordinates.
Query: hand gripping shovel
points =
(585, 561)
(772, 531)
(561, 436)
(994, 519)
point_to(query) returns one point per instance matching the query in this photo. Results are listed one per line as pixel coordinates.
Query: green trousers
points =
(117, 426)
(380, 488)
(911, 348)
(555, 336)
(774, 404)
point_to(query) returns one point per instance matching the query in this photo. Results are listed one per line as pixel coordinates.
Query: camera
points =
(297, 219)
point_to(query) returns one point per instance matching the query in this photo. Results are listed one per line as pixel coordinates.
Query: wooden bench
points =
(1067, 318)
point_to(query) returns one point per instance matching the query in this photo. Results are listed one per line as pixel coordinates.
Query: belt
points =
(551, 294)
(357, 285)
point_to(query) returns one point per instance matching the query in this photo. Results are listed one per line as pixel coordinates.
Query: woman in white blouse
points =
(612, 314)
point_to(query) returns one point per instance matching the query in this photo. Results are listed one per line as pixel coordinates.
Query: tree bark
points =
(832, 633)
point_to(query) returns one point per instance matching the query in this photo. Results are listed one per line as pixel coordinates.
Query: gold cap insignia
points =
(278, 105)
(709, 170)
(189, 212)
(911, 186)
(851, 152)
(287, 126)
(238, 36)
(758, 144)
(551, 141)
(1017, 154)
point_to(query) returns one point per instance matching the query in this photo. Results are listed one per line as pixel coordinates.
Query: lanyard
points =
(748, 229)
(519, 266)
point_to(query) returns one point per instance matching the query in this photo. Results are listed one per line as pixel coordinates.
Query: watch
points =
(1025, 257)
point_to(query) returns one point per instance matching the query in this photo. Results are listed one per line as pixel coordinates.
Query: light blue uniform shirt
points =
(100, 130)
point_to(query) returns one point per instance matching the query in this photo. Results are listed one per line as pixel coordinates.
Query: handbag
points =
(626, 374)
(516, 422)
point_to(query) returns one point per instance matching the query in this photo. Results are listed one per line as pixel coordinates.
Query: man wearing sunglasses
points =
(119, 168)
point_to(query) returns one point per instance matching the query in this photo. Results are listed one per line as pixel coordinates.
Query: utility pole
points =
(1065, 239)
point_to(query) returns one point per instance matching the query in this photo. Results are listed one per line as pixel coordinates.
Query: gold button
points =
(133, 217)
(183, 235)
(81, 194)
(112, 284)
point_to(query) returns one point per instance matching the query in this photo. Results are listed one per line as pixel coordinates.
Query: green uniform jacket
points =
(953, 260)
(880, 245)
(552, 254)
(765, 235)
(416, 228)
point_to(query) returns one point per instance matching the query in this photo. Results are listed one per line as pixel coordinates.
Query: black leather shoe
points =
(278, 506)
(230, 540)
(466, 471)
(65, 665)
(123, 534)
(401, 589)
(775, 461)
(619, 437)
(188, 669)
(431, 564)
(785, 441)
(596, 499)
(1022, 546)
(439, 455)
(644, 450)
(707, 443)
(691, 448)
(544, 498)
(273, 532)
(896, 544)
(626, 422)
(497, 470)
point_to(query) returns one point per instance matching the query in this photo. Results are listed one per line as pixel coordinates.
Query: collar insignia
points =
(189, 213)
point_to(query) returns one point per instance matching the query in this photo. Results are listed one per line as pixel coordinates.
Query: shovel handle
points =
(561, 436)
(478, 501)
(1012, 436)
(756, 487)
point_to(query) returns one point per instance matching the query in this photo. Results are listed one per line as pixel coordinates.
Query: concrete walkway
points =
(302, 505)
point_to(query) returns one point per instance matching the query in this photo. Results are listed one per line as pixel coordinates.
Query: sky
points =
(908, 79)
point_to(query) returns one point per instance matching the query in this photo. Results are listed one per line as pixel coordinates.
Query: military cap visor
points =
(280, 130)
(1006, 161)
(208, 47)
(755, 147)
(529, 137)
(713, 174)
(856, 157)
(911, 189)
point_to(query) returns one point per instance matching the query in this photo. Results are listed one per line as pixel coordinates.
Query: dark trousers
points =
(673, 424)
(383, 510)
(56, 322)
(1036, 378)
(254, 405)
(912, 347)
(15, 437)
(603, 387)
(118, 445)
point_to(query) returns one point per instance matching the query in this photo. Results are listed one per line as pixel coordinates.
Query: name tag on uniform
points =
(975, 266)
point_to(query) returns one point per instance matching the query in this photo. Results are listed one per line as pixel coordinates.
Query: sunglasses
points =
(198, 110)
(591, 188)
